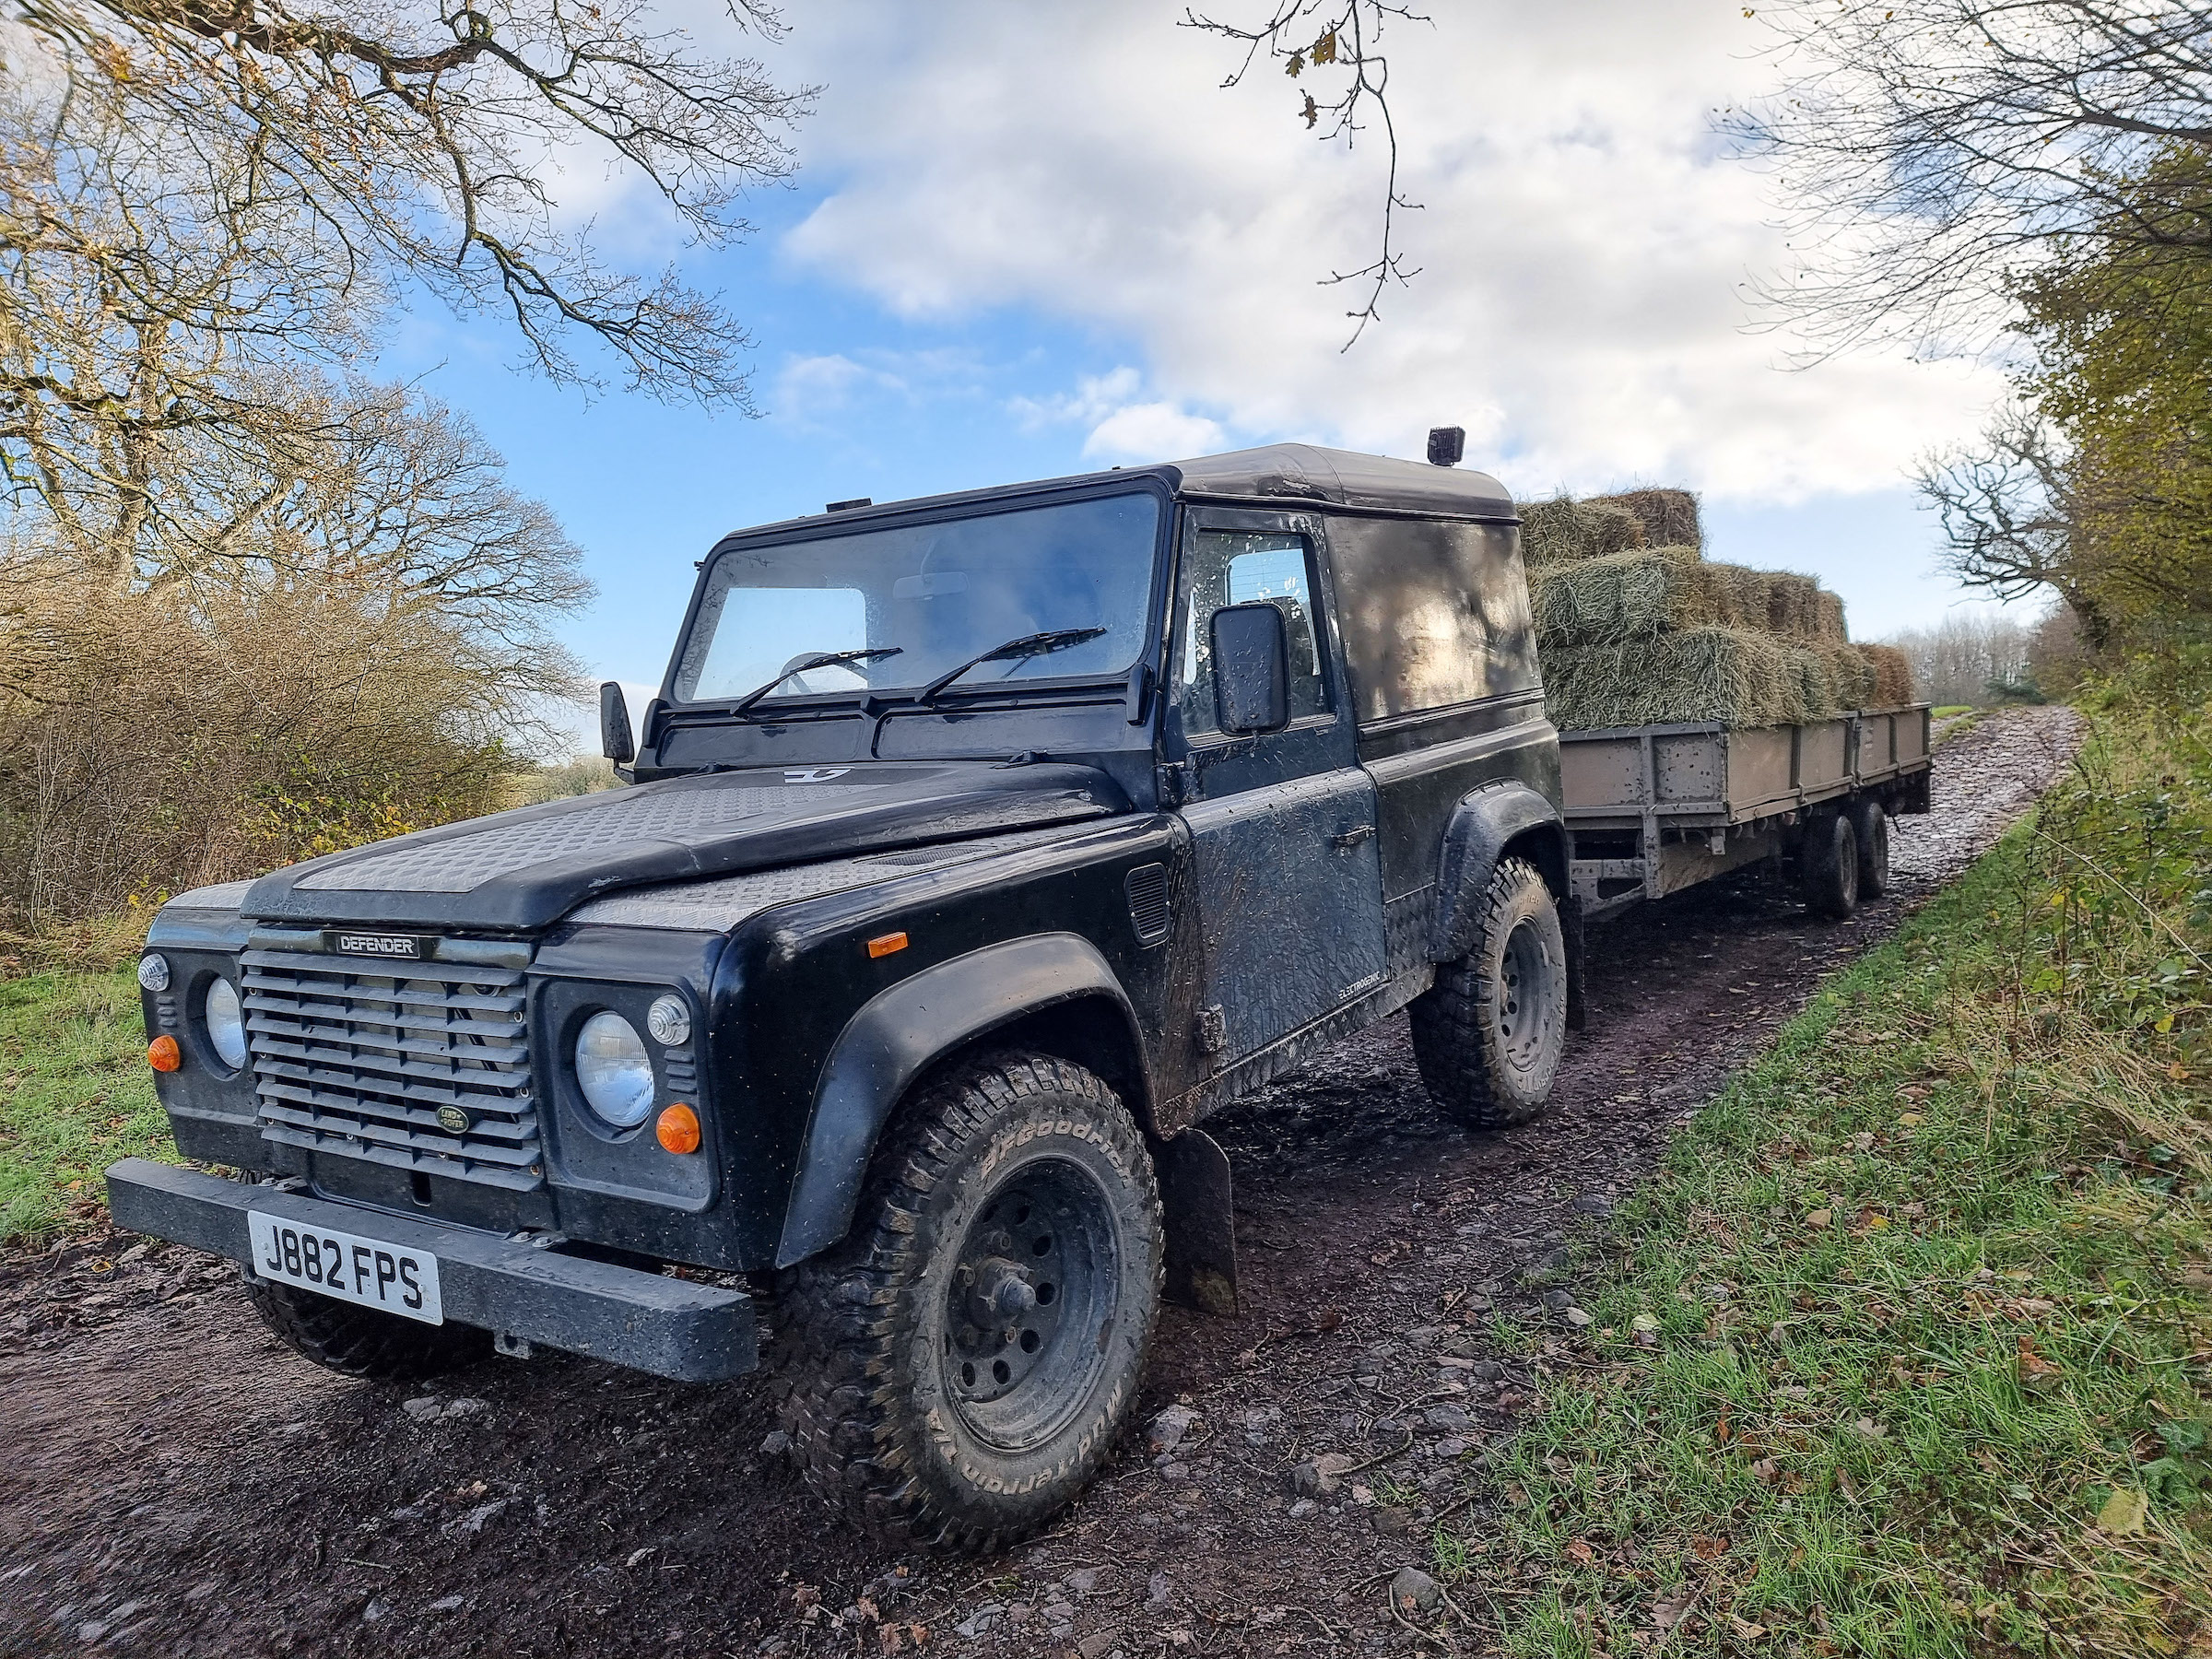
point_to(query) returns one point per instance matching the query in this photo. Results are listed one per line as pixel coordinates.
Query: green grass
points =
(1951, 710)
(74, 1095)
(1930, 1346)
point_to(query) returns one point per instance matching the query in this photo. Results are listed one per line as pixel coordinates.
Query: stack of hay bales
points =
(1635, 627)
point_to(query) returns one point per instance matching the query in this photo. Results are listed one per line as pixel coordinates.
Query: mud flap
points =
(1571, 926)
(1201, 1222)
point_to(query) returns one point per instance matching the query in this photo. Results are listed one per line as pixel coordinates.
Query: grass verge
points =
(74, 1095)
(1907, 1349)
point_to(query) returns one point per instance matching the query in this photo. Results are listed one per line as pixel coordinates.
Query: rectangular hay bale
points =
(1732, 676)
(1669, 517)
(1563, 530)
(1628, 596)
(1893, 687)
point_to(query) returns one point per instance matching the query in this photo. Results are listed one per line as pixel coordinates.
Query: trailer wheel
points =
(1870, 826)
(1828, 864)
(1488, 1034)
(961, 1364)
(361, 1342)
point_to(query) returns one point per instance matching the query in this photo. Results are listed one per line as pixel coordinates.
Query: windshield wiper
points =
(827, 659)
(1029, 645)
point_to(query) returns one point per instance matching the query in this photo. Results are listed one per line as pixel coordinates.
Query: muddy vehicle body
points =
(976, 849)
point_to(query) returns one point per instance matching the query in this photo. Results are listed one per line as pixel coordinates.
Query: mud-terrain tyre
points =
(1870, 830)
(960, 1365)
(1488, 1034)
(1828, 865)
(361, 1342)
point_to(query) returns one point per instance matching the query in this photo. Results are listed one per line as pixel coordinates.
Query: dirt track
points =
(173, 1482)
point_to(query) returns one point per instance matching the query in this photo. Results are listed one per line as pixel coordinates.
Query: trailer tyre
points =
(1828, 863)
(361, 1342)
(1488, 1035)
(1870, 828)
(963, 1363)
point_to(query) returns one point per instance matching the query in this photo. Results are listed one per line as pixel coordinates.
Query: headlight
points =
(226, 1023)
(613, 1070)
(153, 972)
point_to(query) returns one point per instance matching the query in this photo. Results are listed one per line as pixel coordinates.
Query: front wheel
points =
(1487, 1036)
(964, 1360)
(361, 1342)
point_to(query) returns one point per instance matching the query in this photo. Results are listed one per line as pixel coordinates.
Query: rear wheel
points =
(1488, 1035)
(361, 1342)
(1870, 828)
(1828, 865)
(964, 1360)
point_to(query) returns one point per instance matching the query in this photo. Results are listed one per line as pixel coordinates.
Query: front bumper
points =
(646, 1321)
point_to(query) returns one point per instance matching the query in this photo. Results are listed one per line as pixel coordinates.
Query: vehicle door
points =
(1282, 823)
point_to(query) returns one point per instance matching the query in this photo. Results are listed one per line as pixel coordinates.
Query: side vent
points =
(1148, 888)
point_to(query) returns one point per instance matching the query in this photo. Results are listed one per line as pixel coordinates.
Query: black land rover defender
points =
(979, 847)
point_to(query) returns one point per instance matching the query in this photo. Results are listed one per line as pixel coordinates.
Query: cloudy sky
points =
(1034, 238)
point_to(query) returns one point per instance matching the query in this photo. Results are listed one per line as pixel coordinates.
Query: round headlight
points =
(226, 1023)
(669, 1021)
(613, 1070)
(153, 972)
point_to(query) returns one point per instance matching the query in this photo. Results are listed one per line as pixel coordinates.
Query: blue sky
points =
(1037, 241)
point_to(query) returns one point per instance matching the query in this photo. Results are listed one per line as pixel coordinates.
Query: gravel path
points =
(177, 1484)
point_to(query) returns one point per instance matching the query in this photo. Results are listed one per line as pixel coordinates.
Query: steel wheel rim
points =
(1032, 1292)
(1524, 989)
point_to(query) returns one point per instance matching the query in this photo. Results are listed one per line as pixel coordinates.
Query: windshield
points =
(928, 598)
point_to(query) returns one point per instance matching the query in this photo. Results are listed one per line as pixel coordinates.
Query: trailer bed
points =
(1654, 809)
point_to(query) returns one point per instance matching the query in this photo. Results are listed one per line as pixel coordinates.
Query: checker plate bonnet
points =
(523, 869)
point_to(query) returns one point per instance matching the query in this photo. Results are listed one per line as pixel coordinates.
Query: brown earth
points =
(174, 1482)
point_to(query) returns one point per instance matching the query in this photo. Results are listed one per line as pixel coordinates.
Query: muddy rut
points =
(173, 1482)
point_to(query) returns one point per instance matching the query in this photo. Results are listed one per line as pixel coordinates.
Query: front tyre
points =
(1870, 831)
(1487, 1036)
(1828, 865)
(361, 1342)
(963, 1361)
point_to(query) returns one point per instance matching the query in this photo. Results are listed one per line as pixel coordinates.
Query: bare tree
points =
(2008, 509)
(1933, 152)
(1337, 45)
(385, 145)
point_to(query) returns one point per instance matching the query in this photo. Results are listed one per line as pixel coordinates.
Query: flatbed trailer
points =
(1651, 810)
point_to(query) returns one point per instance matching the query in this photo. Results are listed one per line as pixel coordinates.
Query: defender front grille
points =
(356, 1058)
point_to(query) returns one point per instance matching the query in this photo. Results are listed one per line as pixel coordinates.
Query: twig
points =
(1384, 1458)
(2128, 894)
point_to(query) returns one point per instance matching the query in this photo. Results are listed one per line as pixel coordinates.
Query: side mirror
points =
(617, 742)
(1251, 667)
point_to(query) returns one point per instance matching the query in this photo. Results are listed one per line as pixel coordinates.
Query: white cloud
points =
(1153, 431)
(1582, 244)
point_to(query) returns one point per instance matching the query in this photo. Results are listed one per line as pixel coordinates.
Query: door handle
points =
(1344, 841)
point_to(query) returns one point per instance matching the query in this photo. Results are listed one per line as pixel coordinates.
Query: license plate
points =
(369, 1272)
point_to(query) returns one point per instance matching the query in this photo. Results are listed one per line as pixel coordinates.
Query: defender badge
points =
(816, 774)
(453, 1119)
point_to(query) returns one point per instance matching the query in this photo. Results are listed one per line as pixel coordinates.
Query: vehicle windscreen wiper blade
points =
(1029, 645)
(827, 659)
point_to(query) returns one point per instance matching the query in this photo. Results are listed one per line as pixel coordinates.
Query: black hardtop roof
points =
(1274, 473)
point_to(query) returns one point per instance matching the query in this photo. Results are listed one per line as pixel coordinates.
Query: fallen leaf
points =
(1581, 1553)
(2123, 1513)
(1743, 1629)
(1819, 1218)
(1911, 1120)
(1707, 1549)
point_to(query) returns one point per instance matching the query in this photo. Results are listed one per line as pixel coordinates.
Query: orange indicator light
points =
(162, 1055)
(678, 1129)
(882, 944)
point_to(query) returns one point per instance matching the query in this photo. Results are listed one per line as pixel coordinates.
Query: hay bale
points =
(1829, 623)
(1851, 673)
(1669, 517)
(1563, 530)
(1892, 669)
(1625, 596)
(1731, 675)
